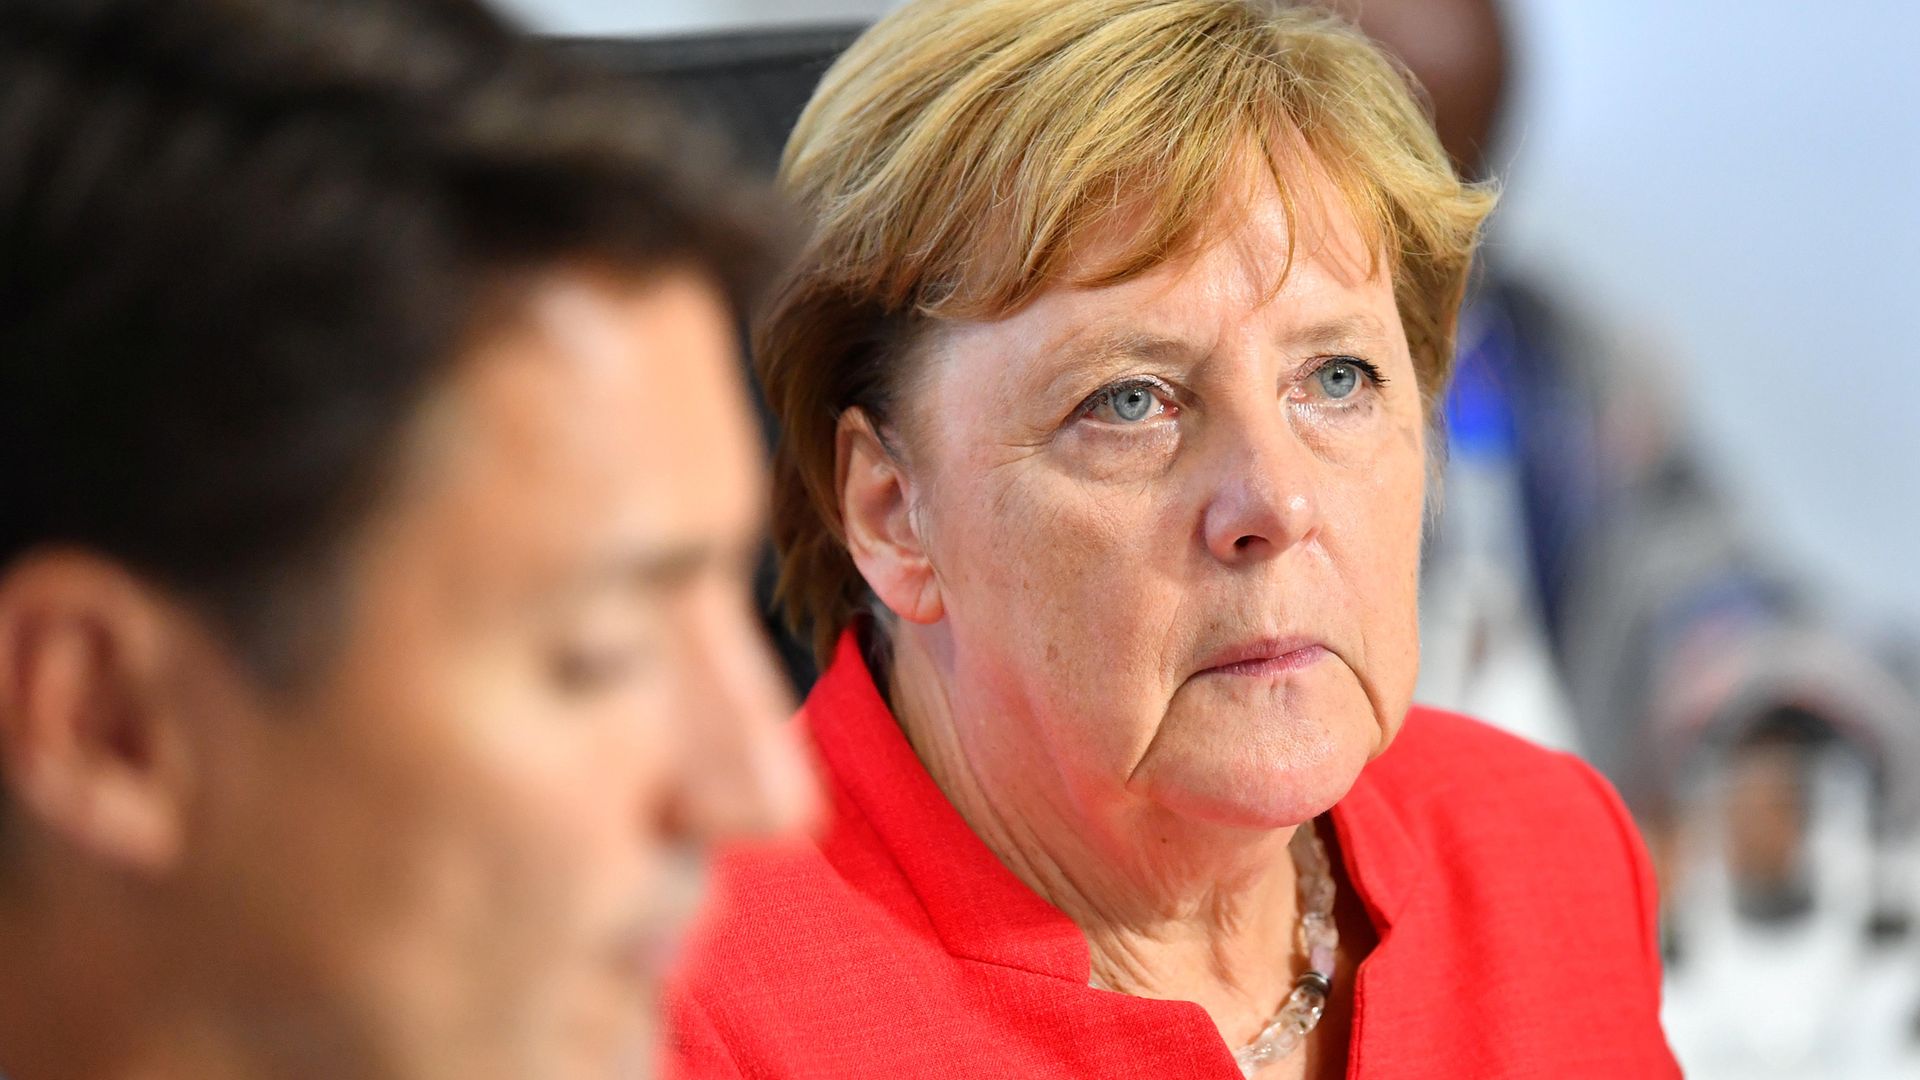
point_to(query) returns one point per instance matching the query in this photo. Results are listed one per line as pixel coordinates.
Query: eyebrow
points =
(1105, 351)
(1115, 348)
(1111, 345)
(1335, 332)
(669, 566)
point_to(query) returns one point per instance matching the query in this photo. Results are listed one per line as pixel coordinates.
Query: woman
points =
(1106, 383)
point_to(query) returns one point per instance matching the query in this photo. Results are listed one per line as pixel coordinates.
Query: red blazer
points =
(1512, 898)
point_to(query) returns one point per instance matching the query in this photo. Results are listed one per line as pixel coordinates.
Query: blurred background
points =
(1684, 489)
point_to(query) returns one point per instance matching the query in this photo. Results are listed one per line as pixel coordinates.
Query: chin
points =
(1271, 782)
(628, 1051)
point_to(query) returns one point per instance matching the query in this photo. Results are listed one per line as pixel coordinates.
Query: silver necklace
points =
(1320, 941)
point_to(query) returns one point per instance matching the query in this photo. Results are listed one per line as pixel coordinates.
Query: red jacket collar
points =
(980, 910)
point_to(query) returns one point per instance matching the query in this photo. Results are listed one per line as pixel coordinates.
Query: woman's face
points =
(1174, 524)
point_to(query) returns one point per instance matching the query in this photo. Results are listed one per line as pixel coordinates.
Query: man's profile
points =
(378, 503)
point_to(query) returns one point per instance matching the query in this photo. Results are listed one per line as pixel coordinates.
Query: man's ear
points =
(876, 504)
(91, 743)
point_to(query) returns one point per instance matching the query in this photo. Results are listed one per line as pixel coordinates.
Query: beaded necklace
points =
(1320, 940)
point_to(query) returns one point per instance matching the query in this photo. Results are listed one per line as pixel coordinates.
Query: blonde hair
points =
(958, 152)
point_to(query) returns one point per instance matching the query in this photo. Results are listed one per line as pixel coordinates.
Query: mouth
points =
(1266, 658)
(651, 945)
(647, 954)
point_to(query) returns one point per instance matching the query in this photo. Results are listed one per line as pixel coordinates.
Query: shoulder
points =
(1456, 764)
(1534, 824)
(1446, 752)
(1449, 774)
(1513, 876)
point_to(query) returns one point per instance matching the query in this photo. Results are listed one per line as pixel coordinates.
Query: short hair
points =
(953, 157)
(240, 240)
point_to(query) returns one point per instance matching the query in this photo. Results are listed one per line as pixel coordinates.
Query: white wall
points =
(614, 17)
(1742, 178)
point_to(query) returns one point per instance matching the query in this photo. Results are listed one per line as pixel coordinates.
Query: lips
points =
(1266, 657)
(651, 951)
(651, 944)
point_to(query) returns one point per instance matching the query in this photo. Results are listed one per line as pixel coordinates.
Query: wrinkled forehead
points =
(1276, 259)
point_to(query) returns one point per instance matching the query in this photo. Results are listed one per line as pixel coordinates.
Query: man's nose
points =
(746, 772)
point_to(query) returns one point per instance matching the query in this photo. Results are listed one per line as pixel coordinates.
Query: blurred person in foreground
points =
(373, 666)
(1106, 384)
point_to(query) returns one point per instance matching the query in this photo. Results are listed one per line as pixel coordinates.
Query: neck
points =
(1172, 908)
(81, 996)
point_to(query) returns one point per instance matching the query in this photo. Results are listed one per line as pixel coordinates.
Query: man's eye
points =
(1126, 403)
(590, 671)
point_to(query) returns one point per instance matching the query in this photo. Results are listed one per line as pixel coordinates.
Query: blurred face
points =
(1175, 524)
(1456, 50)
(1765, 816)
(466, 849)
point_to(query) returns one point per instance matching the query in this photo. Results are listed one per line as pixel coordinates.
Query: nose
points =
(745, 772)
(1264, 496)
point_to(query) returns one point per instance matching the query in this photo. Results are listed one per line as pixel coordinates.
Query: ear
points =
(876, 510)
(90, 747)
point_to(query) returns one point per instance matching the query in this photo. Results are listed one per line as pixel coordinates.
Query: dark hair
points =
(241, 239)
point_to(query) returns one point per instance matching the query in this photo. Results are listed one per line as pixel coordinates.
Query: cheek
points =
(569, 794)
(526, 859)
(540, 872)
(1036, 553)
(1059, 594)
(1374, 530)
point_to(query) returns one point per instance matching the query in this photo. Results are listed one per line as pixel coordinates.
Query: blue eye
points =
(1338, 379)
(1131, 403)
(1343, 376)
(1125, 403)
(583, 672)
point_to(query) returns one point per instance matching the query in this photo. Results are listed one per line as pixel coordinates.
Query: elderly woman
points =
(1107, 383)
